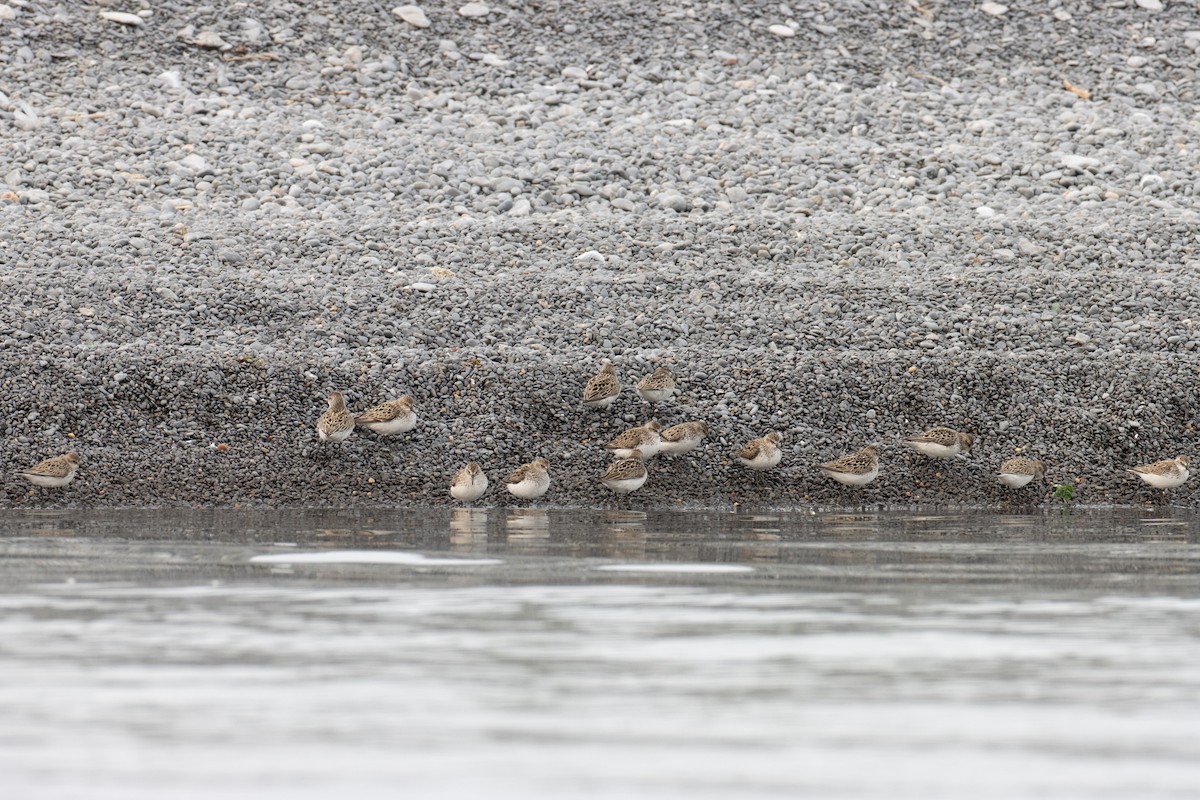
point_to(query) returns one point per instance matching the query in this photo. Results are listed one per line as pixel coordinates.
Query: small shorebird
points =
(603, 388)
(469, 483)
(394, 416)
(643, 440)
(1168, 474)
(53, 473)
(626, 475)
(762, 453)
(529, 481)
(941, 443)
(1018, 472)
(856, 469)
(683, 438)
(336, 424)
(658, 386)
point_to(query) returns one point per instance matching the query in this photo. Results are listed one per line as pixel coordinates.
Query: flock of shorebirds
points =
(636, 446)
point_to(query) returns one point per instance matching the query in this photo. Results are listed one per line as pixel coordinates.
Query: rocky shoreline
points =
(887, 221)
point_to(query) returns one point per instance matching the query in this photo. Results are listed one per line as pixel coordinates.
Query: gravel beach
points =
(845, 221)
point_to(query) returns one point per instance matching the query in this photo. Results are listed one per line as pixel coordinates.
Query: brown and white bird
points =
(683, 438)
(392, 417)
(644, 440)
(855, 469)
(1018, 472)
(336, 424)
(941, 443)
(469, 483)
(657, 387)
(1168, 474)
(603, 388)
(762, 453)
(529, 481)
(53, 473)
(626, 475)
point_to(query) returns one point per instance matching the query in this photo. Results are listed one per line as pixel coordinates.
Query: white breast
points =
(853, 480)
(764, 460)
(469, 492)
(529, 488)
(1014, 480)
(1172, 480)
(626, 485)
(935, 450)
(401, 424)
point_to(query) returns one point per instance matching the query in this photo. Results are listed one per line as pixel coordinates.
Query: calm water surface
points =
(547, 654)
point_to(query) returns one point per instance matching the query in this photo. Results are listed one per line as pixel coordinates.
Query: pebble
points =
(994, 9)
(413, 15)
(474, 10)
(784, 31)
(1150, 5)
(122, 17)
(211, 40)
(575, 73)
(7, 12)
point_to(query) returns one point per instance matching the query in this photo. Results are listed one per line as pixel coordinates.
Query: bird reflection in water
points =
(468, 529)
(528, 530)
(623, 534)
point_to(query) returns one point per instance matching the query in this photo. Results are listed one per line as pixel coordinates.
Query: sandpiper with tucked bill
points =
(529, 481)
(53, 473)
(469, 483)
(603, 388)
(336, 424)
(856, 469)
(643, 440)
(390, 418)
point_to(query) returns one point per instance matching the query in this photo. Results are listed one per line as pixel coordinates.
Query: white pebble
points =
(122, 17)
(785, 31)
(7, 12)
(985, 211)
(413, 15)
(994, 9)
(474, 10)
(423, 287)
(575, 73)
(172, 79)
(1151, 5)
(211, 40)
(1079, 163)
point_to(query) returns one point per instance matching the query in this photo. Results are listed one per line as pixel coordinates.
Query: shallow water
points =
(560, 654)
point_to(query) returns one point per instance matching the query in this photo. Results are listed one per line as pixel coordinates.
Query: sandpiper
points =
(469, 483)
(1019, 471)
(394, 416)
(658, 386)
(602, 389)
(1168, 474)
(336, 424)
(683, 438)
(643, 440)
(529, 481)
(941, 443)
(626, 475)
(53, 473)
(762, 453)
(855, 469)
